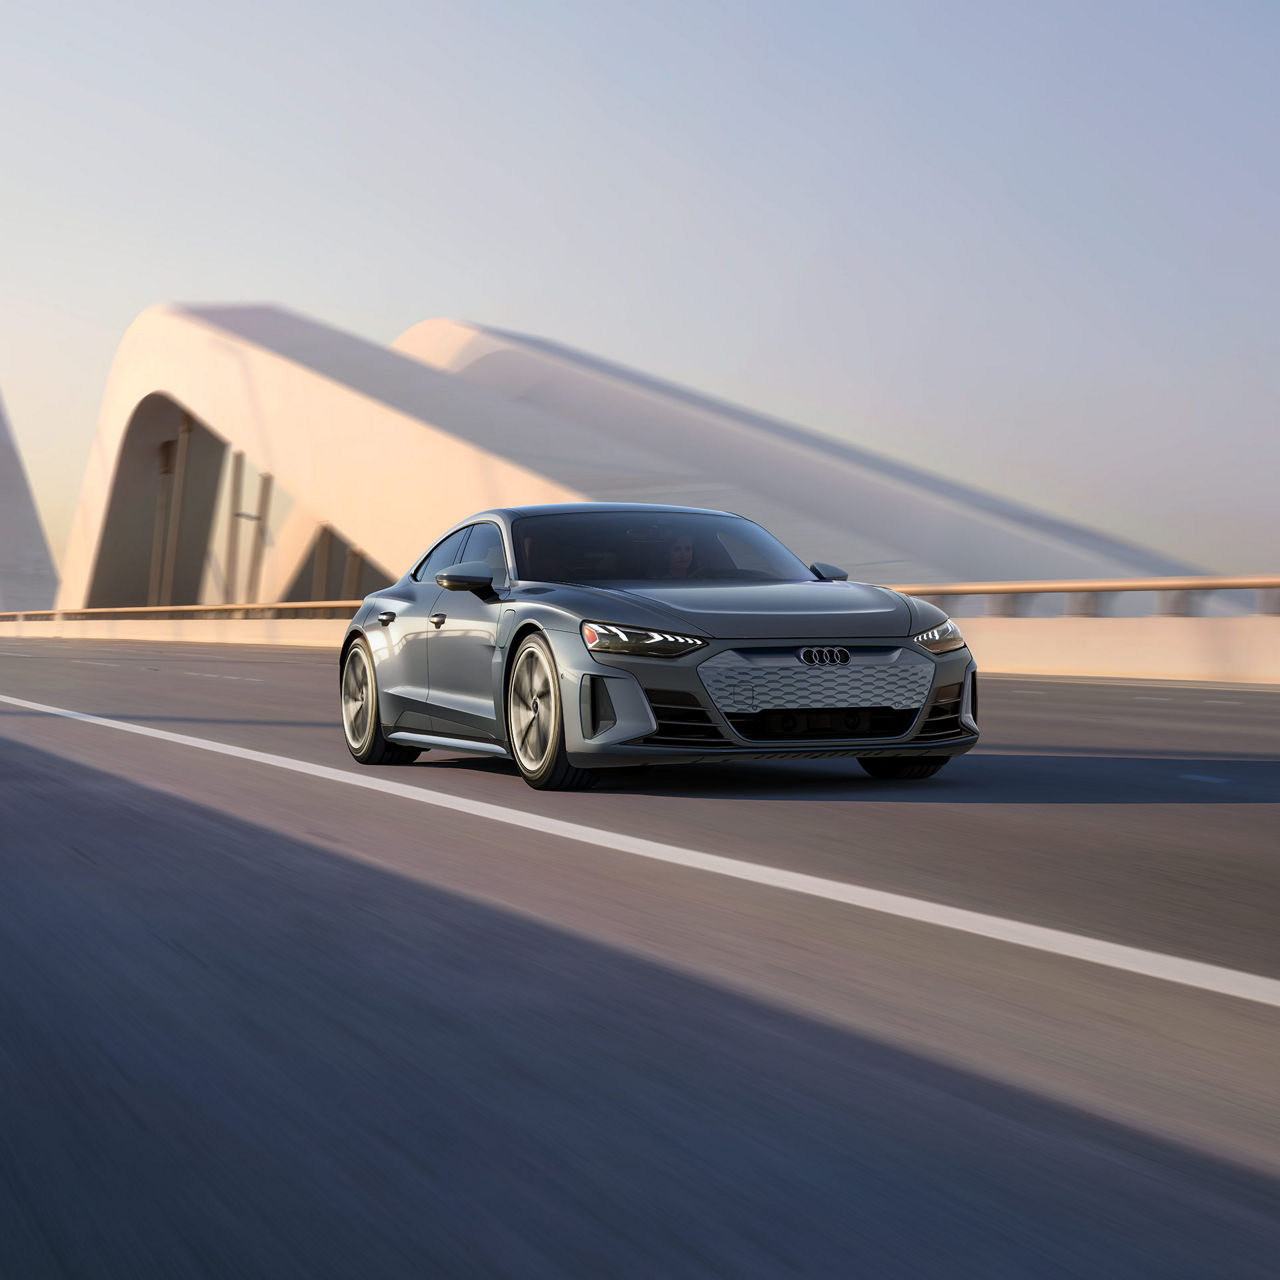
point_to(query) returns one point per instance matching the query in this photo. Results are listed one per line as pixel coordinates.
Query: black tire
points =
(358, 705)
(535, 720)
(901, 768)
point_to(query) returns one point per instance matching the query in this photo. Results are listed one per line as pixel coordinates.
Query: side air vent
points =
(682, 720)
(597, 707)
(943, 720)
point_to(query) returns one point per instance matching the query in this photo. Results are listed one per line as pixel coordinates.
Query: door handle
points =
(386, 618)
(436, 620)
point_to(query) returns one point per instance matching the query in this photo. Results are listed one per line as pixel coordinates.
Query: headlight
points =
(606, 637)
(942, 638)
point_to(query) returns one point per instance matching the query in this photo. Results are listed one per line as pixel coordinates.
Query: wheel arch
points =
(351, 637)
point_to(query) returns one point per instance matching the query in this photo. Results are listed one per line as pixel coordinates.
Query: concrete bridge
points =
(247, 454)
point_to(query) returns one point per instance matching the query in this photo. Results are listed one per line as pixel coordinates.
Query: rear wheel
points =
(361, 724)
(535, 723)
(901, 768)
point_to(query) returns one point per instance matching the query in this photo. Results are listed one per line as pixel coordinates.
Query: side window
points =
(442, 556)
(486, 545)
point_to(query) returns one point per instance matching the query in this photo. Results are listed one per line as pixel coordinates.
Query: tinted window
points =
(630, 546)
(442, 556)
(486, 545)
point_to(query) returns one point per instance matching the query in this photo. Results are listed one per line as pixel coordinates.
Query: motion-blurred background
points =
(1028, 249)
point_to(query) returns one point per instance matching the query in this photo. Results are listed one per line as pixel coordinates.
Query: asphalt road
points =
(254, 1022)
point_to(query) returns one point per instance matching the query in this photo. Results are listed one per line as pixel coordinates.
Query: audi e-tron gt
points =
(578, 637)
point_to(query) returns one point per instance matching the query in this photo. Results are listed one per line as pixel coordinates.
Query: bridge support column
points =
(1081, 604)
(235, 483)
(175, 511)
(253, 585)
(163, 495)
(1174, 604)
(1006, 605)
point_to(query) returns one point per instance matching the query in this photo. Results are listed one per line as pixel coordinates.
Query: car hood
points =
(778, 610)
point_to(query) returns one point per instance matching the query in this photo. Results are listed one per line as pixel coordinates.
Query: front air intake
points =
(682, 720)
(784, 724)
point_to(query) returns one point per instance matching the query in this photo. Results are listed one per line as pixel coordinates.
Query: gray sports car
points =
(578, 637)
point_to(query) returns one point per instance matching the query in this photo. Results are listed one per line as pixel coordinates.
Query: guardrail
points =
(1160, 639)
(1176, 597)
(169, 612)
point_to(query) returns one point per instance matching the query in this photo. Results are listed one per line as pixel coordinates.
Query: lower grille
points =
(819, 723)
(682, 720)
(943, 720)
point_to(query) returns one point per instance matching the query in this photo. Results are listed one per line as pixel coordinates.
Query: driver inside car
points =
(679, 556)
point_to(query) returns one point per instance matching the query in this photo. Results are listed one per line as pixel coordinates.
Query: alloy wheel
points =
(357, 699)
(533, 709)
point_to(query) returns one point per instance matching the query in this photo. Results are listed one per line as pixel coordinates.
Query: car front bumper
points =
(610, 720)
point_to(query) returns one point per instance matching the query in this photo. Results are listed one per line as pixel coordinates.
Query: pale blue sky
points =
(1033, 246)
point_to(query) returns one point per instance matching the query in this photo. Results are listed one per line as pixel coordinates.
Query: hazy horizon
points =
(1030, 250)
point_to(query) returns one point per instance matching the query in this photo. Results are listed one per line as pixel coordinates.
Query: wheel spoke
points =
(532, 709)
(523, 682)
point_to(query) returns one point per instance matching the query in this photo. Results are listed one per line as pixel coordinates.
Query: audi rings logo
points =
(825, 657)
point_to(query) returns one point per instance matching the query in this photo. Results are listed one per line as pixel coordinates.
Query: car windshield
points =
(637, 546)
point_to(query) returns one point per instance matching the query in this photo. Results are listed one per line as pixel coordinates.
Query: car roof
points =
(582, 508)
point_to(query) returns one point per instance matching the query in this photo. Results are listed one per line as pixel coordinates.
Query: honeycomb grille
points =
(770, 680)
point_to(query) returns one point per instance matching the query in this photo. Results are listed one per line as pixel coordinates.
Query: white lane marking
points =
(1113, 955)
(215, 675)
(88, 662)
(1200, 777)
(8, 653)
(1140, 698)
(1221, 702)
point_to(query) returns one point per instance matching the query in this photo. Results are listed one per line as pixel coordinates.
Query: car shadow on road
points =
(989, 778)
(1016, 777)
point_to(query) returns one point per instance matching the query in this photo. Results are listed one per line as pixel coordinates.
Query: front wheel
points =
(535, 723)
(361, 723)
(896, 768)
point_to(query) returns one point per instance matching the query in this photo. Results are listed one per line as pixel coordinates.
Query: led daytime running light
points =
(608, 637)
(940, 639)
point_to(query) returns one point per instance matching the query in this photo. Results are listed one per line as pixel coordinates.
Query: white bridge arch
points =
(248, 453)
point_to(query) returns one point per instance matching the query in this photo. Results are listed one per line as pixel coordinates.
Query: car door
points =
(462, 653)
(404, 673)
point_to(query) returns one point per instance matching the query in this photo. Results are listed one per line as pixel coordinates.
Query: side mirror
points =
(828, 572)
(475, 576)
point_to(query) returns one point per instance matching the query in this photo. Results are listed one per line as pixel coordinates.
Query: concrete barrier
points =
(1243, 650)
